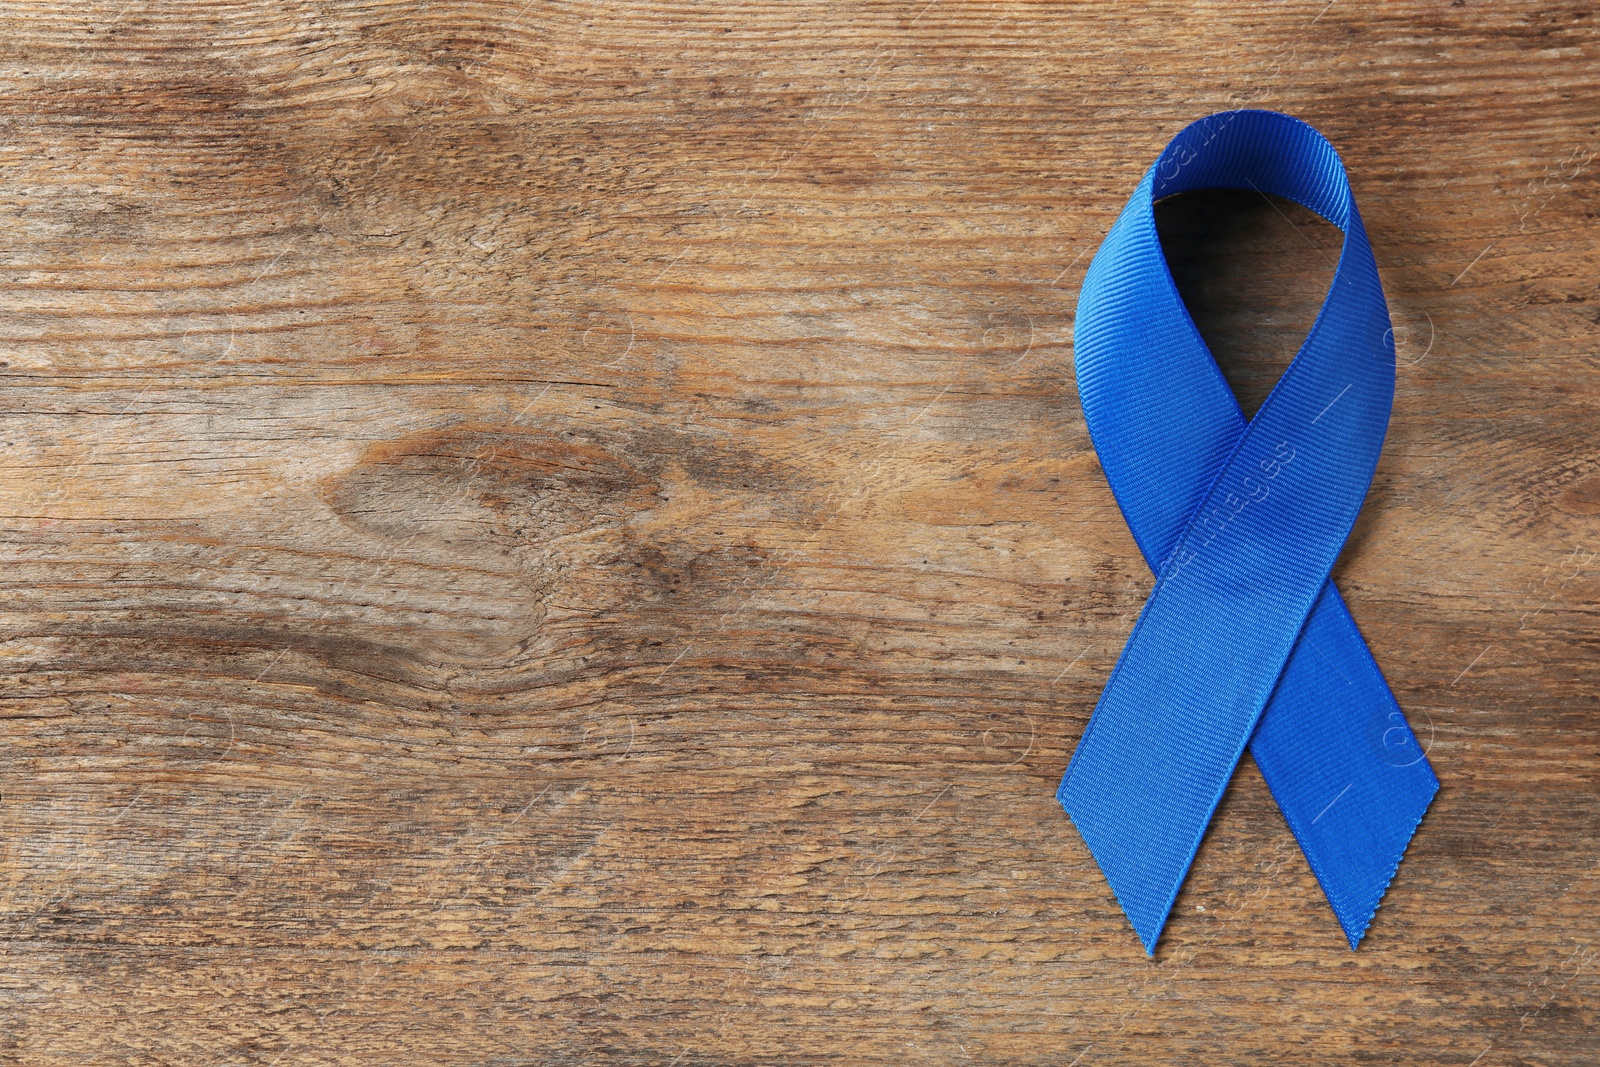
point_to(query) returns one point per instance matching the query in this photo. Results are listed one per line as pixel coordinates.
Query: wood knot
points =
(486, 484)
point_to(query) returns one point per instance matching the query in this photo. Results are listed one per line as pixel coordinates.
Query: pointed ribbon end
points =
(1356, 898)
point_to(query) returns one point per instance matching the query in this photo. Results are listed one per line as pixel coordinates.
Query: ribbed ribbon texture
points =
(1244, 640)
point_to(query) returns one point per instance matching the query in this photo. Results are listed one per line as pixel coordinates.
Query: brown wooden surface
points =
(555, 533)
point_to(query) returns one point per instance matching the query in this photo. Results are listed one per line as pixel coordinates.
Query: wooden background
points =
(562, 532)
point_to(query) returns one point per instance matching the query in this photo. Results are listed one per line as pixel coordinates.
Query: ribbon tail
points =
(1144, 873)
(1343, 765)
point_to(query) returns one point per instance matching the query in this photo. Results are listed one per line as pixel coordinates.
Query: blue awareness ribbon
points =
(1244, 639)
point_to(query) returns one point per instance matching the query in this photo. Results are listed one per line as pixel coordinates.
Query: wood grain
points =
(559, 533)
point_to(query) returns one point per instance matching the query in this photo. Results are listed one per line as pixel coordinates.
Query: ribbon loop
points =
(1243, 640)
